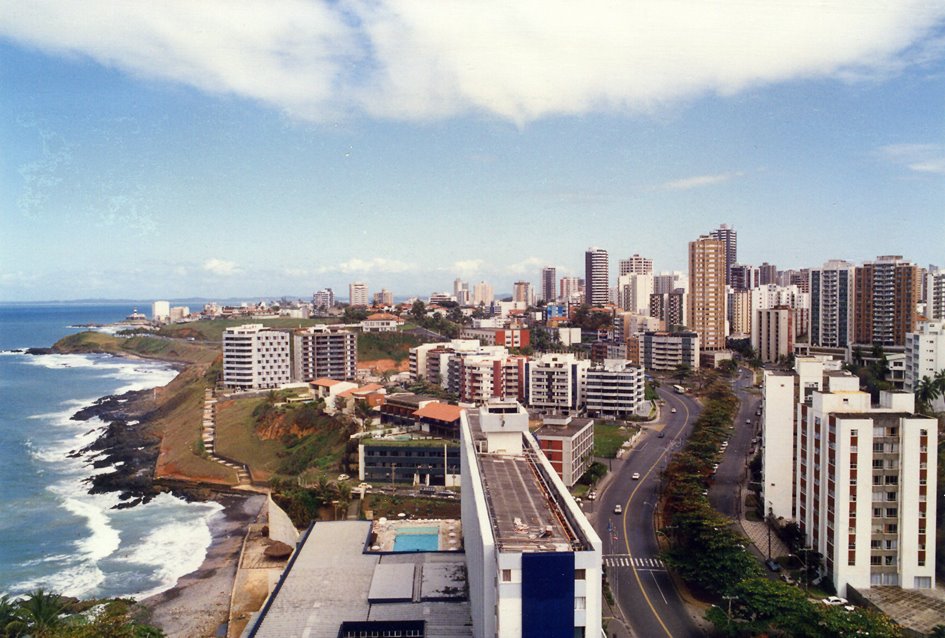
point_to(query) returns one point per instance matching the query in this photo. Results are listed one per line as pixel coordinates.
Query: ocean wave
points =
(59, 361)
(135, 375)
(78, 580)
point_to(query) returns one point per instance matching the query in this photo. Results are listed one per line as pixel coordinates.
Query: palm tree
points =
(11, 624)
(926, 392)
(940, 382)
(42, 611)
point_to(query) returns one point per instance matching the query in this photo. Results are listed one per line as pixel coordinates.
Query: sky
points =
(250, 149)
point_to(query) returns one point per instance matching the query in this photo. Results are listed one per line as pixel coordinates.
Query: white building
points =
(255, 357)
(358, 294)
(381, 322)
(925, 353)
(633, 292)
(161, 310)
(533, 560)
(864, 479)
(568, 444)
(614, 388)
(669, 350)
(323, 300)
(556, 382)
(935, 293)
(772, 333)
(831, 304)
(482, 294)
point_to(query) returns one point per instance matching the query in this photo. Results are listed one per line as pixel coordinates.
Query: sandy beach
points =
(199, 603)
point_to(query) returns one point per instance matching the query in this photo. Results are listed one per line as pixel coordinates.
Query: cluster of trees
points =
(709, 554)
(42, 614)
(304, 498)
(449, 326)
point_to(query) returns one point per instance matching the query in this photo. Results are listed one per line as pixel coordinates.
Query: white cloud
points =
(528, 265)
(919, 158)
(220, 267)
(518, 60)
(467, 267)
(697, 181)
(377, 264)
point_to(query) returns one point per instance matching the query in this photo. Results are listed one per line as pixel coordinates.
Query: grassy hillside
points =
(212, 330)
(141, 346)
(386, 345)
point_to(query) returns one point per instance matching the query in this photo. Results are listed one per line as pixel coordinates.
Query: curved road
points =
(637, 577)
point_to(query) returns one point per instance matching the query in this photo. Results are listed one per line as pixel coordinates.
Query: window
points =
(580, 602)
(506, 575)
(892, 512)
(579, 574)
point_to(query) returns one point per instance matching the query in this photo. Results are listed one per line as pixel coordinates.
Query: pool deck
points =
(450, 532)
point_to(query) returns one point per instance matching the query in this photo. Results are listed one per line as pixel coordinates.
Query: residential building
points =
(324, 352)
(555, 382)
(924, 353)
(935, 293)
(179, 313)
(384, 298)
(548, 281)
(743, 277)
(461, 292)
(633, 292)
(831, 304)
(381, 322)
(522, 292)
(667, 282)
(510, 337)
(887, 291)
(358, 294)
(568, 444)
(740, 312)
(614, 388)
(636, 265)
(596, 276)
(772, 333)
(730, 238)
(669, 350)
(571, 289)
(484, 377)
(707, 297)
(161, 311)
(482, 294)
(767, 274)
(323, 300)
(256, 357)
(415, 461)
(533, 560)
(669, 308)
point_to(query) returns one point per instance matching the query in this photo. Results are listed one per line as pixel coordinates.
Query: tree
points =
(42, 612)
(418, 310)
(926, 392)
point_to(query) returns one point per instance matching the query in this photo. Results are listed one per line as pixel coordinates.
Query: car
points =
(748, 421)
(592, 495)
(343, 477)
(673, 410)
(834, 601)
(365, 487)
(773, 565)
(618, 509)
(636, 476)
(724, 444)
(661, 435)
(758, 413)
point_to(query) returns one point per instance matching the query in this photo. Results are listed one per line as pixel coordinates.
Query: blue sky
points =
(248, 149)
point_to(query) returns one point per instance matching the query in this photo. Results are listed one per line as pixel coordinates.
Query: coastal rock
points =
(39, 351)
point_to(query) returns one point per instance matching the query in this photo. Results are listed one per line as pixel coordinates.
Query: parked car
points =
(592, 495)
(773, 565)
(834, 601)
(661, 434)
(636, 476)
(618, 509)
(673, 410)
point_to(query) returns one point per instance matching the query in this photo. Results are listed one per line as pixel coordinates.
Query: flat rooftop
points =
(332, 581)
(525, 516)
(569, 430)
(919, 610)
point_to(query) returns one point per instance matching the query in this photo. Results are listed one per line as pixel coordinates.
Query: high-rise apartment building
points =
(707, 295)
(161, 311)
(670, 308)
(549, 278)
(323, 300)
(633, 292)
(935, 293)
(358, 294)
(925, 353)
(667, 282)
(482, 294)
(887, 291)
(324, 352)
(384, 298)
(255, 357)
(740, 312)
(636, 265)
(556, 382)
(522, 292)
(863, 479)
(831, 304)
(461, 292)
(596, 276)
(743, 276)
(767, 274)
(730, 238)
(571, 289)
(772, 333)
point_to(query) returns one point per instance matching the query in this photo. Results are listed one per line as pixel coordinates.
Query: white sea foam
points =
(56, 361)
(178, 545)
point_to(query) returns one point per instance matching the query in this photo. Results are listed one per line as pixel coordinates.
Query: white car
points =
(673, 410)
(834, 601)
(636, 476)
(618, 509)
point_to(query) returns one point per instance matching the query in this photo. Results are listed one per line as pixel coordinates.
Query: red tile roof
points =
(439, 412)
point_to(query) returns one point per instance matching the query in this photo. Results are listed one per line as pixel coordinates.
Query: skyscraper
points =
(887, 291)
(548, 278)
(596, 276)
(570, 288)
(935, 293)
(706, 313)
(730, 238)
(831, 304)
(636, 265)
(767, 274)
(482, 294)
(522, 291)
(358, 294)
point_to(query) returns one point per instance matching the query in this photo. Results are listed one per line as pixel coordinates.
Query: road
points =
(725, 490)
(637, 577)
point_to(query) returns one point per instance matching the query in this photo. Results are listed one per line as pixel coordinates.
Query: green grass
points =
(212, 330)
(142, 346)
(609, 437)
(386, 345)
(236, 438)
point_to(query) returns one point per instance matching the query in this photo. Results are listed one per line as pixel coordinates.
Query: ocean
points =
(53, 534)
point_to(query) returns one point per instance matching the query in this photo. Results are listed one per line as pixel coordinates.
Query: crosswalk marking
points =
(640, 562)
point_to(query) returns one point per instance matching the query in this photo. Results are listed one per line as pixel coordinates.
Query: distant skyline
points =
(228, 150)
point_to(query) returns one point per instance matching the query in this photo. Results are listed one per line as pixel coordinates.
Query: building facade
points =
(324, 352)
(670, 308)
(256, 357)
(358, 294)
(925, 353)
(549, 278)
(555, 382)
(568, 444)
(668, 350)
(323, 300)
(636, 265)
(614, 389)
(887, 291)
(596, 277)
(772, 333)
(729, 237)
(707, 292)
(935, 293)
(831, 304)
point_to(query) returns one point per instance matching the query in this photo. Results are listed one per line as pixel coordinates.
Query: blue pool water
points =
(418, 539)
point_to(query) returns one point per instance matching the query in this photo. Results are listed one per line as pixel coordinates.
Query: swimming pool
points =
(417, 539)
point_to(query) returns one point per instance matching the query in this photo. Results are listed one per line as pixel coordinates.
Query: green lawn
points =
(608, 438)
(236, 438)
(386, 345)
(212, 330)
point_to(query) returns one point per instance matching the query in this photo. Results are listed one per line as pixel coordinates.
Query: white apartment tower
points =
(570, 289)
(556, 382)
(161, 310)
(596, 276)
(613, 388)
(730, 238)
(831, 304)
(925, 353)
(772, 333)
(255, 357)
(533, 561)
(358, 294)
(482, 294)
(935, 293)
(637, 265)
(633, 292)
